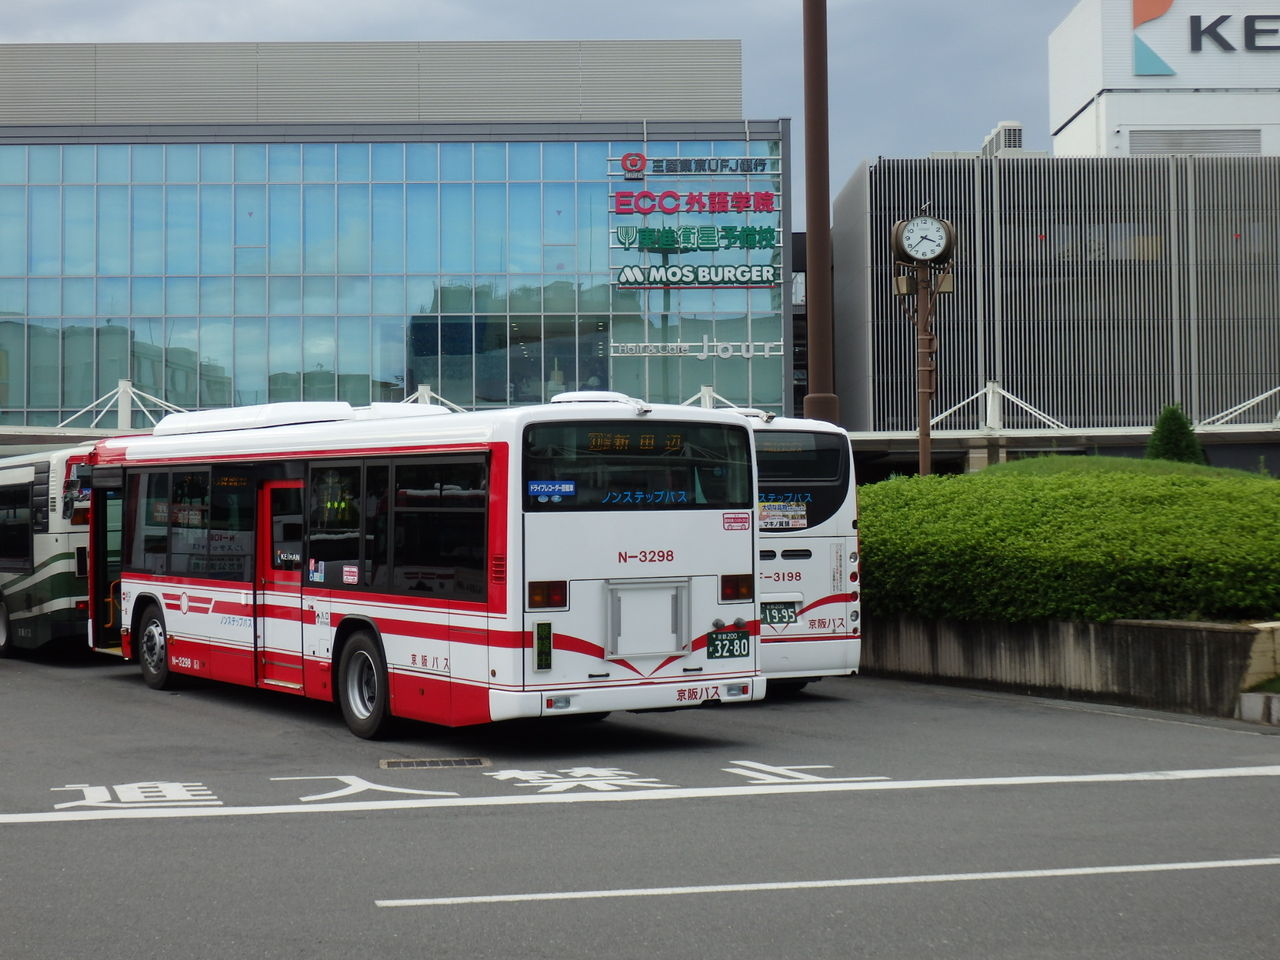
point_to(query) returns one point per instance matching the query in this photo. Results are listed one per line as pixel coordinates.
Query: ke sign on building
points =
(1200, 43)
(1173, 45)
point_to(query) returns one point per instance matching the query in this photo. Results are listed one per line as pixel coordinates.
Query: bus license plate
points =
(775, 613)
(728, 643)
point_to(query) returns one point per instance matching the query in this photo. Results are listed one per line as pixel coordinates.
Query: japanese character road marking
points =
(764, 773)
(357, 785)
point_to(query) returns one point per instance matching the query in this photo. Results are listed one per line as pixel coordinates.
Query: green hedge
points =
(1074, 538)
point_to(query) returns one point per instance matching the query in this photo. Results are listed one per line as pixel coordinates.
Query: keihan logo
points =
(1146, 62)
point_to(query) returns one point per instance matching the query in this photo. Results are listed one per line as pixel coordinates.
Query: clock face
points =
(924, 238)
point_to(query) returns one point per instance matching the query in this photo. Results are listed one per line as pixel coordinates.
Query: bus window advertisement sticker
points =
(315, 571)
(552, 490)
(350, 575)
(783, 516)
(737, 521)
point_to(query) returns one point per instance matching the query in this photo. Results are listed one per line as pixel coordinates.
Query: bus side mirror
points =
(69, 490)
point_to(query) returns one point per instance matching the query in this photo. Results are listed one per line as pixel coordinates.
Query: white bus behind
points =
(44, 535)
(808, 588)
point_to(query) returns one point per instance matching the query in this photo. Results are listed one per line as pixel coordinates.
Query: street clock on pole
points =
(923, 238)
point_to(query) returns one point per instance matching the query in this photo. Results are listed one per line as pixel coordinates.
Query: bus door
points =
(277, 611)
(106, 524)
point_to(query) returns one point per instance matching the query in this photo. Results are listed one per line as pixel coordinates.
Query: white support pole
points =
(124, 405)
(1239, 408)
(995, 409)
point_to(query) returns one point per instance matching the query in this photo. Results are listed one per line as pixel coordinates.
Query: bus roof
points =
(278, 431)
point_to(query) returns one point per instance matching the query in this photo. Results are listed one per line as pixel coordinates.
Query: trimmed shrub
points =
(1174, 438)
(1066, 539)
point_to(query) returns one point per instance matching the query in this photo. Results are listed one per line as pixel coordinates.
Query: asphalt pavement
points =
(861, 817)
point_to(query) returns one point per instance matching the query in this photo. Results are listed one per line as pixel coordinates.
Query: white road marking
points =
(627, 796)
(834, 884)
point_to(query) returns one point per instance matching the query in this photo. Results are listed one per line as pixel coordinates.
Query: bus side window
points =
(377, 526)
(286, 529)
(146, 531)
(232, 518)
(334, 523)
(189, 522)
(440, 528)
(15, 527)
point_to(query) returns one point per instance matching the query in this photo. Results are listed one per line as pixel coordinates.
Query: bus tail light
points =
(548, 593)
(736, 586)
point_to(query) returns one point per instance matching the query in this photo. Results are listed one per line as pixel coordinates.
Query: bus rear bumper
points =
(832, 657)
(508, 705)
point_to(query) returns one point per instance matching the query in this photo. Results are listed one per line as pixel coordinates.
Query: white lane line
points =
(624, 796)
(834, 884)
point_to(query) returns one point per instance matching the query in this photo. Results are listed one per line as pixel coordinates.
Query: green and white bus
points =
(44, 543)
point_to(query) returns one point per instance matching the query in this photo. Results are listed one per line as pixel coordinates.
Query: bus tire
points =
(7, 645)
(362, 686)
(153, 649)
(786, 688)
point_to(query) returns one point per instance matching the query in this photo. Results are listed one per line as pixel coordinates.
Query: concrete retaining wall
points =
(1164, 665)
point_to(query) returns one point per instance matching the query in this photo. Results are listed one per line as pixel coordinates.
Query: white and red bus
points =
(808, 587)
(580, 557)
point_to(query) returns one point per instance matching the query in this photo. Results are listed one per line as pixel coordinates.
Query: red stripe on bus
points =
(833, 598)
(232, 608)
(811, 636)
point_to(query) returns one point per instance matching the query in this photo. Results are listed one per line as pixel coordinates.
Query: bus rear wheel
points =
(362, 687)
(153, 649)
(6, 634)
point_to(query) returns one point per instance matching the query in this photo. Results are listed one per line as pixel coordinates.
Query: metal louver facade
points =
(1095, 290)
(405, 82)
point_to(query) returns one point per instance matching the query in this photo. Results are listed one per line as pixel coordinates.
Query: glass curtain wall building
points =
(232, 224)
(218, 274)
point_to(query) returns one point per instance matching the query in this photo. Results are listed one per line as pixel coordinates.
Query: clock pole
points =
(925, 368)
(922, 248)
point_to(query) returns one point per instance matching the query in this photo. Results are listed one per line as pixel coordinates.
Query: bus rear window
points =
(804, 477)
(641, 466)
(796, 455)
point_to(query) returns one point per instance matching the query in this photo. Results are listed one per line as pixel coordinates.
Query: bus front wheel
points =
(362, 687)
(153, 649)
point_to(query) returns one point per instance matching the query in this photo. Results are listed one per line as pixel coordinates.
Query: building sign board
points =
(695, 201)
(1168, 45)
(702, 275)
(637, 166)
(689, 239)
(665, 236)
(708, 348)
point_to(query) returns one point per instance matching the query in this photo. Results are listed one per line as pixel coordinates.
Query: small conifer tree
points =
(1174, 439)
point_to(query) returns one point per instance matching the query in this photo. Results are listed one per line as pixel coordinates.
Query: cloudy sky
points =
(906, 76)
